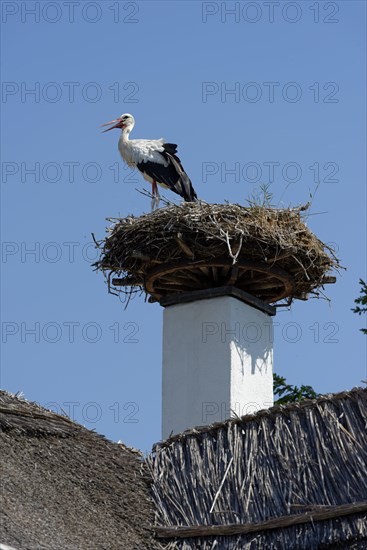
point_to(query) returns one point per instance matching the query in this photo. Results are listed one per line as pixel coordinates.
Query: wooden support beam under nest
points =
(233, 275)
(328, 280)
(170, 287)
(281, 281)
(263, 285)
(124, 282)
(207, 293)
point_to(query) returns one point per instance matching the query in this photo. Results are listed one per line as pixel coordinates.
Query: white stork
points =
(155, 159)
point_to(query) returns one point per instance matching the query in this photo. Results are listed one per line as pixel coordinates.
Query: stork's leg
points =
(155, 191)
(156, 196)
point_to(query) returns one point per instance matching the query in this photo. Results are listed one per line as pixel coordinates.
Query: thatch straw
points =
(295, 472)
(198, 245)
(66, 487)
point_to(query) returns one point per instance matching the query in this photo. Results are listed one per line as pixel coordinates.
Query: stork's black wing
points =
(172, 176)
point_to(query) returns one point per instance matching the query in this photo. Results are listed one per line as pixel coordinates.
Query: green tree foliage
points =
(290, 394)
(361, 302)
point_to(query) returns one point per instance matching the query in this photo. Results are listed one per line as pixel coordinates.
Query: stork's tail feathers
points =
(183, 185)
(189, 194)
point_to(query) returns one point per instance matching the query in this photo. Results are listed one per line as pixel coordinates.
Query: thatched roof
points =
(267, 252)
(65, 487)
(292, 476)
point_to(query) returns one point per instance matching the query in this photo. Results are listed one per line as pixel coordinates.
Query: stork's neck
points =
(125, 133)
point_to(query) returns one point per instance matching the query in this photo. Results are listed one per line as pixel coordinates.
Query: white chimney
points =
(217, 358)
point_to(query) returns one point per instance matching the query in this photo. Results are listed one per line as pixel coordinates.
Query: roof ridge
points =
(47, 414)
(270, 413)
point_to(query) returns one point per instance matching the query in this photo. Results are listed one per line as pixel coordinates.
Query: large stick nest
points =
(267, 252)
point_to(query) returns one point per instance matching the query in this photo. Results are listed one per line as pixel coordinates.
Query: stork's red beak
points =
(117, 123)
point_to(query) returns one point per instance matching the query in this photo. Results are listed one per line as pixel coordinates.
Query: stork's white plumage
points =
(154, 158)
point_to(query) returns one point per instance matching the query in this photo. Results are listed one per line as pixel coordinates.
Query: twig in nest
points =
(147, 193)
(98, 244)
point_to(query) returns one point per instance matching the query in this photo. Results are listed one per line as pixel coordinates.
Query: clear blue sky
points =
(297, 75)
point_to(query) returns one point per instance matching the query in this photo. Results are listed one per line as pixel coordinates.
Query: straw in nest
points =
(267, 252)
